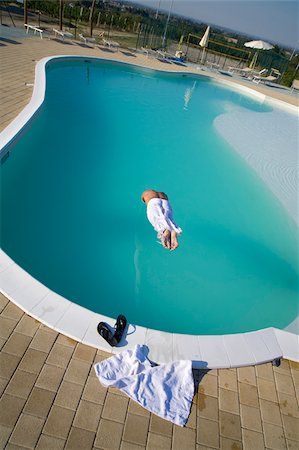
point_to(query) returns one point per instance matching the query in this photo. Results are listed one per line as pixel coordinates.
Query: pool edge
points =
(80, 324)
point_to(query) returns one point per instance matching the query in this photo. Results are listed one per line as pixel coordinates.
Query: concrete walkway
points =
(50, 398)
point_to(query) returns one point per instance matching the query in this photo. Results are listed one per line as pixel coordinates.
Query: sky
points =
(274, 20)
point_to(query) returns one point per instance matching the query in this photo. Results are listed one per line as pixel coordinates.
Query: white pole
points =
(166, 26)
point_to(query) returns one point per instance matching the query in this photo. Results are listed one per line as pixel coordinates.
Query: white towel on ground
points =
(166, 390)
(159, 213)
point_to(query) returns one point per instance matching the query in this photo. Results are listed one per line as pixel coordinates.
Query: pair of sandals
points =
(119, 328)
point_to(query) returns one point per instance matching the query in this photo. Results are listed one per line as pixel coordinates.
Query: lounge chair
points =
(110, 44)
(269, 79)
(87, 40)
(35, 29)
(243, 72)
(63, 34)
(295, 85)
(150, 52)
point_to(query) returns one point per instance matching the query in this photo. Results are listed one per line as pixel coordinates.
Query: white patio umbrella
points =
(204, 42)
(258, 45)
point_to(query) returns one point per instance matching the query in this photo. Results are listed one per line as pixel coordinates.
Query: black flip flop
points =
(121, 323)
(106, 334)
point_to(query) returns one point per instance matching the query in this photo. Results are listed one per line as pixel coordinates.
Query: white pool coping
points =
(76, 322)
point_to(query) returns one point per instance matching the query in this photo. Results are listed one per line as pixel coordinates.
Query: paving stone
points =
(160, 426)
(59, 422)
(88, 416)
(115, 408)
(183, 438)
(77, 371)
(80, 439)
(284, 383)
(265, 371)
(10, 409)
(207, 407)
(295, 377)
(288, 405)
(11, 446)
(230, 425)
(229, 444)
(248, 395)
(84, 353)
(8, 365)
(50, 377)
(43, 341)
(2, 342)
(157, 442)
(33, 361)
(27, 431)
(68, 395)
(136, 429)
(60, 355)
(114, 391)
(252, 440)
(135, 408)
(21, 384)
(207, 433)
(191, 422)
(270, 412)
(291, 428)
(284, 367)
(294, 365)
(208, 386)
(228, 401)
(3, 301)
(11, 311)
(27, 325)
(228, 380)
(246, 375)
(4, 435)
(50, 443)
(251, 418)
(3, 384)
(266, 390)
(39, 402)
(274, 437)
(65, 340)
(17, 344)
(109, 435)
(94, 391)
(6, 326)
(203, 447)
(292, 445)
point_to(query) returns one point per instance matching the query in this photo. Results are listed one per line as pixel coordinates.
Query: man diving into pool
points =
(159, 213)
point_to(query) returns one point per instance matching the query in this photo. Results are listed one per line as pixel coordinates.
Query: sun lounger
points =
(87, 40)
(149, 52)
(269, 79)
(111, 43)
(35, 29)
(63, 34)
(212, 65)
(243, 72)
(295, 85)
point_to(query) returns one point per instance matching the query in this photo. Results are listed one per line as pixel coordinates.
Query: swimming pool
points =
(73, 219)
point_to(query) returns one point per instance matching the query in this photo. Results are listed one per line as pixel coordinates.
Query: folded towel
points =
(166, 390)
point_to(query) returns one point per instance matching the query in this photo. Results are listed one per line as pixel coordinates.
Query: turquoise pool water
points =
(72, 215)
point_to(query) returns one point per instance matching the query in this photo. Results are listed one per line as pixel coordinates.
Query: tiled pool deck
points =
(50, 398)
